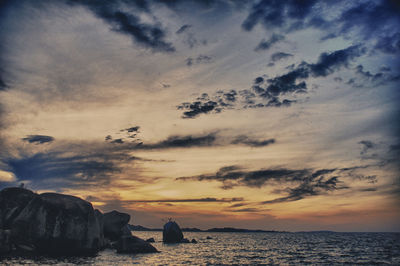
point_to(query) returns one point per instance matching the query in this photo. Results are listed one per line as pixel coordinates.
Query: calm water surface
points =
(251, 248)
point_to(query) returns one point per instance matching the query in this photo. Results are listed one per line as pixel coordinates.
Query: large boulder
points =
(12, 201)
(133, 244)
(172, 233)
(57, 224)
(116, 225)
(5, 244)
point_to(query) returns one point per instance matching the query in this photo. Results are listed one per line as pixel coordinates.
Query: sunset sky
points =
(277, 115)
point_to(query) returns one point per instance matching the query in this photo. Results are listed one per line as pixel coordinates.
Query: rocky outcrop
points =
(58, 224)
(116, 225)
(5, 243)
(150, 240)
(133, 244)
(12, 201)
(172, 233)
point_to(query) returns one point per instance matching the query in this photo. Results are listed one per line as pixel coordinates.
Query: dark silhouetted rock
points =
(12, 201)
(133, 244)
(150, 240)
(5, 244)
(172, 233)
(103, 242)
(194, 241)
(116, 225)
(185, 240)
(57, 224)
(209, 237)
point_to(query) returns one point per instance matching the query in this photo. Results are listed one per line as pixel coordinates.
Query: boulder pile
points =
(58, 224)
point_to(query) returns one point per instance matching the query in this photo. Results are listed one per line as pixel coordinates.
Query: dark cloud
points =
(183, 28)
(182, 142)
(287, 83)
(58, 169)
(246, 210)
(369, 19)
(190, 200)
(329, 62)
(389, 44)
(279, 56)
(152, 36)
(117, 141)
(280, 14)
(38, 139)
(366, 78)
(267, 44)
(309, 188)
(301, 183)
(258, 80)
(201, 59)
(196, 108)
(132, 129)
(232, 176)
(270, 92)
(3, 85)
(252, 142)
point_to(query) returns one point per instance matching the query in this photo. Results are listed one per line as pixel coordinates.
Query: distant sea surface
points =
(325, 248)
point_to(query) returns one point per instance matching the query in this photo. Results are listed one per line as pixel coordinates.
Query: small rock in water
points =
(185, 240)
(172, 233)
(133, 244)
(194, 241)
(150, 240)
(209, 237)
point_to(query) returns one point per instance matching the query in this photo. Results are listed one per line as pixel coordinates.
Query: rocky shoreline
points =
(61, 225)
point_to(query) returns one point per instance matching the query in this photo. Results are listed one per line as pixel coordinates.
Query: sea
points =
(276, 248)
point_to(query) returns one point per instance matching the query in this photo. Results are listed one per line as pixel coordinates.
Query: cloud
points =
(7, 177)
(364, 78)
(201, 59)
(252, 142)
(389, 44)
(267, 44)
(189, 200)
(132, 129)
(329, 62)
(376, 20)
(196, 108)
(246, 210)
(371, 18)
(182, 142)
(278, 14)
(183, 28)
(3, 85)
(92, 169)
(268, 93)
(286, 83)
(148, 35)
(189, 141)
(279, 56)
(301, 183)
(38, 139)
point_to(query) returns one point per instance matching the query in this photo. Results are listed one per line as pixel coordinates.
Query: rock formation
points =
(133, 244)
(58, 224)
(116, 225)
(172, 233)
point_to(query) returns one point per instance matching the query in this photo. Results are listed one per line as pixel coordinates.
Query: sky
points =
(275, 115)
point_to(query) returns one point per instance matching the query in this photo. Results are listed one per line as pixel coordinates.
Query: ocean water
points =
(249, 248)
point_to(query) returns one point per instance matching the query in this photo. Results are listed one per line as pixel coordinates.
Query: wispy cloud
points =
(38, 139)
